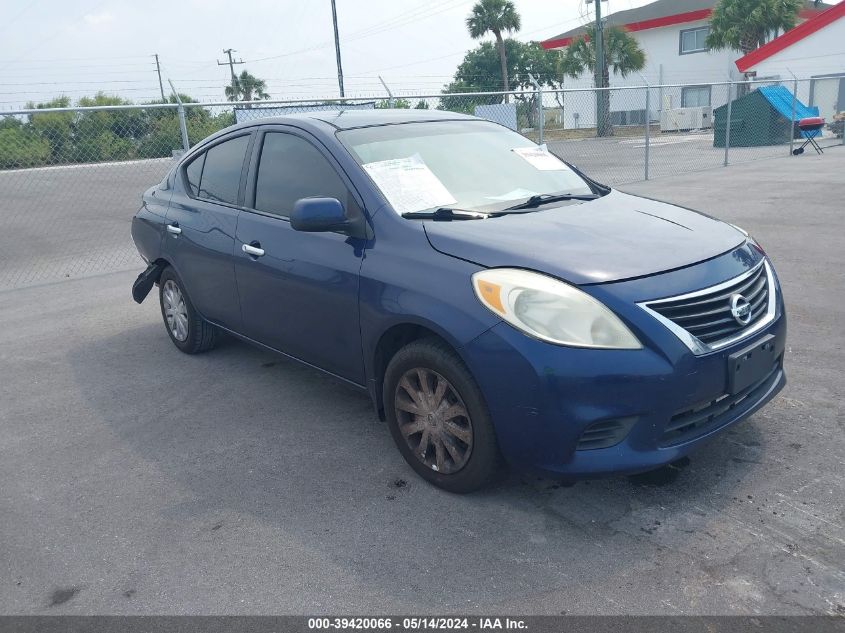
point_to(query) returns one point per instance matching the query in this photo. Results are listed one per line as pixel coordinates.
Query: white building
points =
(672, 34)
(813, 49)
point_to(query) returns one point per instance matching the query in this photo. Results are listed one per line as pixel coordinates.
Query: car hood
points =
(618, 236)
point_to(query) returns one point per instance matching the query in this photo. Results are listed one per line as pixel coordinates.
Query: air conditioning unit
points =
(677, 119)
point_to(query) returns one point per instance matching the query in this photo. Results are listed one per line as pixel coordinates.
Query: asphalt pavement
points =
(135, 479)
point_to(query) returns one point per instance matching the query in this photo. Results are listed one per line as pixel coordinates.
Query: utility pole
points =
(231, 63)
(160, 85)
(337, 50)
(601, 115)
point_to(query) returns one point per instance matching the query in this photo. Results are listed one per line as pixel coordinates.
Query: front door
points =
(299, 291)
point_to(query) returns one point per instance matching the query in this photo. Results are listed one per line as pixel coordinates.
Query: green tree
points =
(479, 70)
(541, 64)
(745, 25)
(20, 145)
(115, 133)
(165, 135)
(400, 103)
(108, 134)
(56, 128)
(496, 17)
(622, 54)
(246, 87)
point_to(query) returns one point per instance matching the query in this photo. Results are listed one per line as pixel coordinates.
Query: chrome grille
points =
(703, 319)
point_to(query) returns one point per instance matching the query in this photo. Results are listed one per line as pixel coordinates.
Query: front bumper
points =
(542, 398)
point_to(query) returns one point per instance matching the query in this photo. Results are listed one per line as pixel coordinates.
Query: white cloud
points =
(99, 19)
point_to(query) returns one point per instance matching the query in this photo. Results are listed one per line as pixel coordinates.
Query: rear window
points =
(194, 171)
(216, 175)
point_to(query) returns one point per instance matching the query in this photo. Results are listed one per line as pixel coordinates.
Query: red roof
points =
(792, 36)
(657, 22)
(669, 20)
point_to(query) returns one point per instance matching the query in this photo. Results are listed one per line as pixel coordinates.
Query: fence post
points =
(541, 113)
(647, 128)
(183, 126)
(728, 120)
(647, 123)
(390, 100)
(792, 118)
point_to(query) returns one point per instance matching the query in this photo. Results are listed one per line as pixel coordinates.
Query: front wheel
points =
(438, 417)
(187, 329)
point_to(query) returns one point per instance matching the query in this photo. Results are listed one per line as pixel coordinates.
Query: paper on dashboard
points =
(408, 184)
(540, 158)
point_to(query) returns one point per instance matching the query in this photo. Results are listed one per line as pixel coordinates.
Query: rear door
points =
(201, 221)
(301, 295)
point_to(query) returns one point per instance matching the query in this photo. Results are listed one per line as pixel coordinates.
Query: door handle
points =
(249, 249)
(174, 228)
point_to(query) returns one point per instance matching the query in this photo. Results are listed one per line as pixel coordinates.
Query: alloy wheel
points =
(433, 420)
(175, 310)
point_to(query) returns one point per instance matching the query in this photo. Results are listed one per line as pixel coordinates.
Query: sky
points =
(77, 47)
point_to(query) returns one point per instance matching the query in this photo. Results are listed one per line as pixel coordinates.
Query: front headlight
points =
(551, 310)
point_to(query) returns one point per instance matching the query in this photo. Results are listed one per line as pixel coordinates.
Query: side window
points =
(695, 96)
(694, 40)
(194, 171)
(221, 173)
(291, 168)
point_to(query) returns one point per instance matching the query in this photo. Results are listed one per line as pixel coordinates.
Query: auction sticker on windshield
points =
(408, 184)
(540, 158)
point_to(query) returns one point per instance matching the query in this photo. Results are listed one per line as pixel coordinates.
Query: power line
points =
(80, 59)
(58, 83)
(43, 40)
(18, 14)
(463, 51)
(369, 31)
(408, 17)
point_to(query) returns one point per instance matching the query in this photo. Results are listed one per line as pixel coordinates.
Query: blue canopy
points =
(781, 99)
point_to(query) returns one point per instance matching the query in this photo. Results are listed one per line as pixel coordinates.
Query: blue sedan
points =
(497, 305)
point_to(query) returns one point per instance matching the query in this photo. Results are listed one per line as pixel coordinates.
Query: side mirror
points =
(321, 215)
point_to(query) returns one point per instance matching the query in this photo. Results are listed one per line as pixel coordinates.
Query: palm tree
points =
(745, 25)
(246, 87)
(495, 16)
(622, 53)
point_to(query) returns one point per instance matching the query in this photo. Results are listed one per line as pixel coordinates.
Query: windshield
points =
(468, 165)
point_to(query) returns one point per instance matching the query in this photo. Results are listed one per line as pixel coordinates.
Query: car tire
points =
(189, 332)
(420, 408)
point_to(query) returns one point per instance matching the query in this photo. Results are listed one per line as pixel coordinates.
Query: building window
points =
(695, 96)
(694, 40)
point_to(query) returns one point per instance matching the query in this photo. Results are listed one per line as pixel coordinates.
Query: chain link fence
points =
(71, 178)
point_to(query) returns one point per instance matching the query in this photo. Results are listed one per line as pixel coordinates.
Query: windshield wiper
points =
(446, 213)
(546, 198)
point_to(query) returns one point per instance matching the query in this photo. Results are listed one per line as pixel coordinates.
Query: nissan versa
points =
(498, 305)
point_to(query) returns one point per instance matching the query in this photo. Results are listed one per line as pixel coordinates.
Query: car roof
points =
(349, 119)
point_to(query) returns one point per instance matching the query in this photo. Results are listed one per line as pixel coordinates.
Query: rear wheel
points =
(438, 417)
(188, 331)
